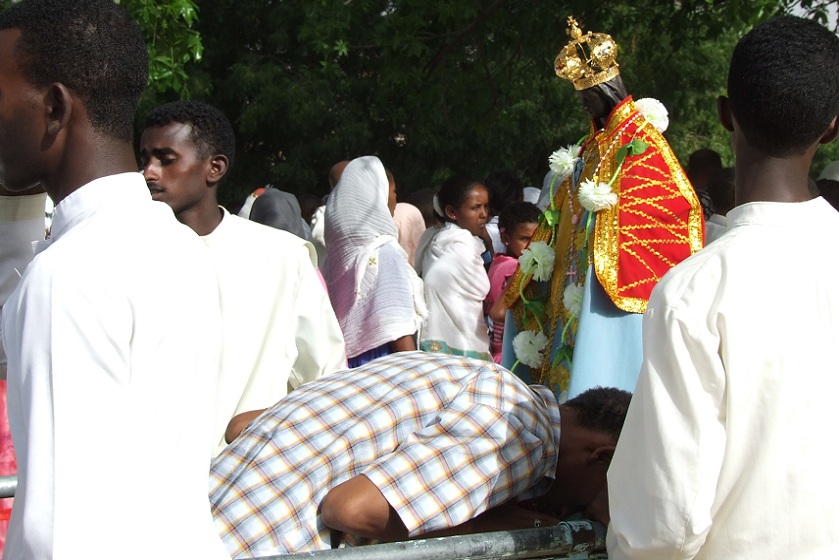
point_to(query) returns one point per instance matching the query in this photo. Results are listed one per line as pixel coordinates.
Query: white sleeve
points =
(21, 223)
(663, 477)
(320, 342)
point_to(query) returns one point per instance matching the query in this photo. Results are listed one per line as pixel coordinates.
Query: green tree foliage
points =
(433, 87)
(446, 86)
(171, 38)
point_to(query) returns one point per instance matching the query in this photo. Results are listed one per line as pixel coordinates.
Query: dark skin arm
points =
(498, 311)
(238, 423)
(403, 344)
(357, 507)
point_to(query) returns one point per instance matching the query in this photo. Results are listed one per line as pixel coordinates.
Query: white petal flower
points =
(538, 260)
(562, 162)
(654, 111)
(572, 299)
(595, 197)
(529, 347)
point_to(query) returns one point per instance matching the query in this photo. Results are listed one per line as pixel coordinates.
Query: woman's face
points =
(473, 213)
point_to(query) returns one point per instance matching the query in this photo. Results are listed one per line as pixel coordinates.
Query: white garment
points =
(726, 449)
(531, 194)
(279, 328)
(456, 285)
(422, 247)
(21, 224)
(112, 338)
(545, 195)
(375, 292)
(495, 235)
(715, 226)
(318, 239)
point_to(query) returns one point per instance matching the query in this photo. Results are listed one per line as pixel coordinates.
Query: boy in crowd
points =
(279, 328)
(725, 451)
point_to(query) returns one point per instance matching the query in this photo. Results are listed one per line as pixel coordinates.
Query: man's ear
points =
(218, 168)
(724, 113)
(601, 455)
(58, 103)
(832, 131)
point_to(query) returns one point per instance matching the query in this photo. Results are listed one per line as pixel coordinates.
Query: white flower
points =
(572, 299)
(654, 111)
(538, 260)
(596, 197)
(562, 162)
(529, 347)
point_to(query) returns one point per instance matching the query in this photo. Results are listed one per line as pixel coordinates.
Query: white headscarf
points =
(357, 224)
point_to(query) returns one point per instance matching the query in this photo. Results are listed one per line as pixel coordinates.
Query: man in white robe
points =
(111, 334)
(725, 452)
(22, 223)
(279, 328)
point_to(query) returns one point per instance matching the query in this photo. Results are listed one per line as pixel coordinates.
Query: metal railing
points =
(8, 485)
(577, 540)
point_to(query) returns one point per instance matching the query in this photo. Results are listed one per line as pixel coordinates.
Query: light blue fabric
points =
(607, 347)
(607, 350)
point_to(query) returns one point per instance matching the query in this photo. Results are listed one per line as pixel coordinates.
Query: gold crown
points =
(588, 59)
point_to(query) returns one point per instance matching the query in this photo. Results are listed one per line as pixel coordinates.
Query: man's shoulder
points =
(249, 242)
(260, 233)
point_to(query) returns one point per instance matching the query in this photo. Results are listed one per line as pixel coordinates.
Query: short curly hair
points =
(602, 409)
(783, 84)
(93, 47)
(210, 131)
(518, 213)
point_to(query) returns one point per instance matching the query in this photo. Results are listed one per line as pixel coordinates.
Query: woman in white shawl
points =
(376, 294)
(455, 279)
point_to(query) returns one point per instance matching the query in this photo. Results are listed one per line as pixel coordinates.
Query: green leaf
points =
(551, 217)
(637, 147)
(535, 307)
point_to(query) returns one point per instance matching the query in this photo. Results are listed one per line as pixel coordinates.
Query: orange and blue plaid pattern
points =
(443, 437)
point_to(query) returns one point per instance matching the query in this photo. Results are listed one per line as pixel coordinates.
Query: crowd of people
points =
(181, 381)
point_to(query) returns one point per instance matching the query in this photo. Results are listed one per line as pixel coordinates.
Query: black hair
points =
(829, 190)
(504, 188)
(704, 160)
(93, 47)
(706, 202)
(602, 409)
(210, 131)
(422, 199)
(518, 213)
(721, 190)
(783, 85)
(453, 193)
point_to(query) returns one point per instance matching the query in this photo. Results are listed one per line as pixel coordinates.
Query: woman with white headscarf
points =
(376, 294)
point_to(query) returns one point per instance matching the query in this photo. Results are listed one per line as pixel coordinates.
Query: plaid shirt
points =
(443, 438)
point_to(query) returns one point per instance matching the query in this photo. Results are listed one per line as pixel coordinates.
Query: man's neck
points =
(88, 160)
(765, 179)
(202, 218)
